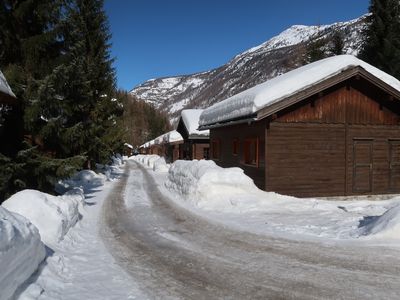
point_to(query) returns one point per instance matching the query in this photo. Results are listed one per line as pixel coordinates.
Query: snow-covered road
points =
(173, 254)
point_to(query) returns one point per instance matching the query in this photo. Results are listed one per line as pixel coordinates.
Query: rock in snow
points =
(21, 251)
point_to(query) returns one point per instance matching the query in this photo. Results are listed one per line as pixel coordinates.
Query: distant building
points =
(196, 144)
(166, 145)
(325, 129)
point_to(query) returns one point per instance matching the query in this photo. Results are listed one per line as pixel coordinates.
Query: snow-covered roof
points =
(166, 138)
(251, 101)
(128, 145)
(4, 87)
(190, 118)
(172, 137)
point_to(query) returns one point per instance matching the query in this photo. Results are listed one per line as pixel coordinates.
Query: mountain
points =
(276, 56)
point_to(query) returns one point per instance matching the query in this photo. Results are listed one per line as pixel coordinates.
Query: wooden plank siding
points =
(306, 159)
(335, 143)
(232, 138)
(198, 150)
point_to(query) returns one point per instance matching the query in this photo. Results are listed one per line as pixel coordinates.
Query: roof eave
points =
(246, 119)
(323, 85)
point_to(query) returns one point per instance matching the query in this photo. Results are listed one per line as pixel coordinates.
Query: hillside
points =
(278, 55)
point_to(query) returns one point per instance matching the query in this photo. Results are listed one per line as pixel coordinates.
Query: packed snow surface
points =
(21, 251)
(191, 118)
(229, 196)
(4, 87)
(265, 94)
(52, 215)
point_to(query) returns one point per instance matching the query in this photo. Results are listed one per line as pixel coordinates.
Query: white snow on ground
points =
(191, 119)
(52, 215)
(4, 87)
(229, 196)
(80, 266)
(147, 160)
(21, 251)
(265, 94)
(160, 165)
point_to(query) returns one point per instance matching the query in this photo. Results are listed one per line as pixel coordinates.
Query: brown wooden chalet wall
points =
(225, 141)
(344, 141)
(194, 149)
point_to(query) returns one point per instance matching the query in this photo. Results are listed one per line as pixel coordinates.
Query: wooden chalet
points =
(172, 141)
(195, 143)
(166, 145)
(329, 128)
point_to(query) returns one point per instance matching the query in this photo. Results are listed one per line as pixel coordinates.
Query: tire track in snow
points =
(173, 254)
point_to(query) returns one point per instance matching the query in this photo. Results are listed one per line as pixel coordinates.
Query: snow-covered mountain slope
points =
(278, 55)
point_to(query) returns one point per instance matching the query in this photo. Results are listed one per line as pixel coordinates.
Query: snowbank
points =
(205, 184)
(231, 197)
(384, 226)
(52, 215)
(21, 251)
(86, 180)
(160, 165)
(117, 160)
(147, 160)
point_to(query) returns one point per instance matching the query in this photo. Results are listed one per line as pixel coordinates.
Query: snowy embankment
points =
(31, 219)
(52, 215)
(229, 196)
(21, 251)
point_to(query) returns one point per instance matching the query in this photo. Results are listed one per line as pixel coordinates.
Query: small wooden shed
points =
(325, 129)
(195, 143)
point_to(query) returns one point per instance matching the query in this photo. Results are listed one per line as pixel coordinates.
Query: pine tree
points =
(315, 51)
(382, 36)
(92, 92)
(336, 44)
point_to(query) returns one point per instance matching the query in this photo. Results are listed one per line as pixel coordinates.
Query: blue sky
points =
(172, 37)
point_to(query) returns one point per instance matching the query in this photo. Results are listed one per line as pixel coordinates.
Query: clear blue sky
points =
(157, 38)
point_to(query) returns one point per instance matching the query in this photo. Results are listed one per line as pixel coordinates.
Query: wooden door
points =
(394, 165)
(362, 165)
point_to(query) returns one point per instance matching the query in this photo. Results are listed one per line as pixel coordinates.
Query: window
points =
(206, 153)
(215, 149)
(250, 151)
(235, 147)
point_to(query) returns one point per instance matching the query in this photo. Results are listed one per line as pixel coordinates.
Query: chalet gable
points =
(279, 93)
(188, 125)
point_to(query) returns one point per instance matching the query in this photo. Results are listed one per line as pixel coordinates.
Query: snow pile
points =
(150, 159)
(279, 88)
(4, 87)
(160, 165)
(207, 185)
(52, 215)
(117, 160)
(86, 180)
(21, 251)
(229, 196)
(386, 225)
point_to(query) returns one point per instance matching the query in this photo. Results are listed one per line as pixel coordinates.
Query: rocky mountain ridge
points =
(276, 56)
